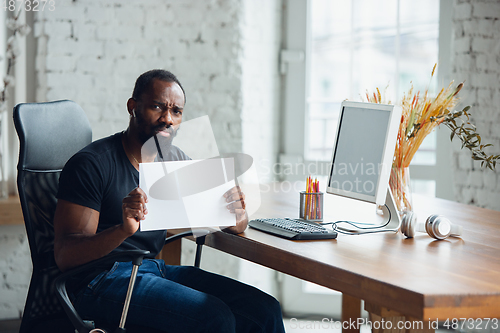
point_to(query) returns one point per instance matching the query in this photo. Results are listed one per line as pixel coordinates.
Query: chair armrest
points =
(178, 236)
(199, 236)
(200, 240)
(135, 256)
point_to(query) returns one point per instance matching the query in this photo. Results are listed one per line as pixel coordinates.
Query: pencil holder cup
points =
(311, 206)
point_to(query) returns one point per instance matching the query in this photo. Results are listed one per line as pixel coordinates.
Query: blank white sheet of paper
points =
(187, 194)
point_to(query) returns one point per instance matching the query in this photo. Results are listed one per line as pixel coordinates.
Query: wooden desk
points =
(419, 278)
(10, 211)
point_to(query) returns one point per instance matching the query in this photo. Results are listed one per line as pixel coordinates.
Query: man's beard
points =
(158, 144)
(166, 142)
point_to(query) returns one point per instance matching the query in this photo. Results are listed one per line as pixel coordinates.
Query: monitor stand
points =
(393, 224)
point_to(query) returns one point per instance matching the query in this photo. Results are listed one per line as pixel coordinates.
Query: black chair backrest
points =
(49, 134)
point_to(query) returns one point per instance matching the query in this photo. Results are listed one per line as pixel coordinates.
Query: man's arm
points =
(76, 241)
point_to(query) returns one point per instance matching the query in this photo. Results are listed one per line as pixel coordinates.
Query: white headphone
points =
(133, 112)
(436, 226)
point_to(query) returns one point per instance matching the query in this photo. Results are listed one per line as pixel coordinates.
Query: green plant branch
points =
(466, 132)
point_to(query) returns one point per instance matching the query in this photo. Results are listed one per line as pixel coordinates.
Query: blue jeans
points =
(179, 299)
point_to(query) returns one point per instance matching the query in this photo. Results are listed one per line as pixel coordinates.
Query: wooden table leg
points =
(171, 253)
(351, 311)
(384, 320)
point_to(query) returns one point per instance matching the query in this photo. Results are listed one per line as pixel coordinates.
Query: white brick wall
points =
(15, 270)
(476, 59)
(92, 51)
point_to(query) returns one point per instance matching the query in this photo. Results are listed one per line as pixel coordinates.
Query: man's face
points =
(159, 111)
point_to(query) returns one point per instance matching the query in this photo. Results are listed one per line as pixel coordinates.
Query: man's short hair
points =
(144, 81)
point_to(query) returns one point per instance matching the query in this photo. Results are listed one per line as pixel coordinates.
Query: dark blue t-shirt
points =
(99, 176)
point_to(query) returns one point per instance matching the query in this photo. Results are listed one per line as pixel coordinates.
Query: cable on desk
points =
(370, 230)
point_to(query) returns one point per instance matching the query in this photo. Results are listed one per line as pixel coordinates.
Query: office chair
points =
(49, 134)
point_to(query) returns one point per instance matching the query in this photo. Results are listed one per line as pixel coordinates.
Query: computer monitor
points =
(363, 151)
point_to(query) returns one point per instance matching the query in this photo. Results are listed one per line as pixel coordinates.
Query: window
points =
(360, 45)
(353, 47)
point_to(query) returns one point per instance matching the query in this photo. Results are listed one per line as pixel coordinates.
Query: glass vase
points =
(400, 188)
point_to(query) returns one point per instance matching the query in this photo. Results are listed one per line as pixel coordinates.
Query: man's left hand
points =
(236, 200)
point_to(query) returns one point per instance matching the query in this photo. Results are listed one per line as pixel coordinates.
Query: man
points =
(99, 210)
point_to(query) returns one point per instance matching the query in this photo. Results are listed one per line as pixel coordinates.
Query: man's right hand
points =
(134, 210)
